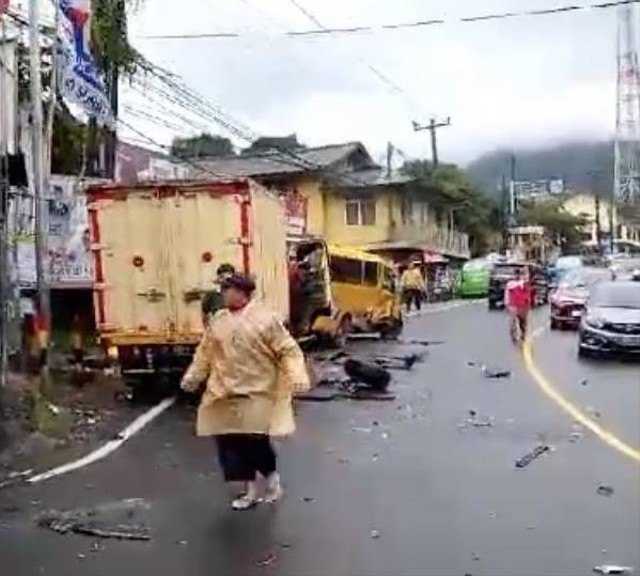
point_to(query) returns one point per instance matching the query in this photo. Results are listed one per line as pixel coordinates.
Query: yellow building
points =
(338, 192)
(585, 204)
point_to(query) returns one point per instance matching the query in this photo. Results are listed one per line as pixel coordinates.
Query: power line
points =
(376, 71)
(325, 31)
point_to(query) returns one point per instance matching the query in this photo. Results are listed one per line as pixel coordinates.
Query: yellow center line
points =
(547, 387)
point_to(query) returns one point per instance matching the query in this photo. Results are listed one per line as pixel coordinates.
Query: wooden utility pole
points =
(37, 158)
(433, 126)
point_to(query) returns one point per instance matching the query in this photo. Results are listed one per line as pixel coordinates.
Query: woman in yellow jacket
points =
(251, 366)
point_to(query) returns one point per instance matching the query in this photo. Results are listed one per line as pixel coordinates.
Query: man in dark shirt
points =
(212, 300)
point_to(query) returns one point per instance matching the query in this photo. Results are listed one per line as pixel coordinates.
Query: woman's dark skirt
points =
(242, 455)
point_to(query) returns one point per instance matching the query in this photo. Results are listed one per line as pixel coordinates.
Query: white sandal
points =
(248, 500)
(273, 491)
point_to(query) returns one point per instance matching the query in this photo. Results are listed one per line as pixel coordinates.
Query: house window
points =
(361, 212)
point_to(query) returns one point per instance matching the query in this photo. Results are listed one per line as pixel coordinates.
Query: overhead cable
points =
(326, 31)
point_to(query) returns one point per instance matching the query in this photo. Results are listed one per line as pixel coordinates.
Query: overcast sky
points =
(517, 82)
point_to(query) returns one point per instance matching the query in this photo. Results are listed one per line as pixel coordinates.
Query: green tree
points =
(448, 190)
(563, 226)
(200, 146)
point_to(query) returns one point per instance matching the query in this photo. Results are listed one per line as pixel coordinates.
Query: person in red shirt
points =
(518, 299)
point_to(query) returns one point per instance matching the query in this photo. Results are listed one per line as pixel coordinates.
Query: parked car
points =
(568, 302)
(474, 279)
(611, 322)
(503, 273)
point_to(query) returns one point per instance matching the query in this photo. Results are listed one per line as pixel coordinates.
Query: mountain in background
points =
(573, 162)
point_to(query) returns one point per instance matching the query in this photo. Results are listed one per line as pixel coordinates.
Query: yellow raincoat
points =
(252, 366)
(412, 280)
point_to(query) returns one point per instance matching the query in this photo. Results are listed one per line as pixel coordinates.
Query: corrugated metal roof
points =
(334, 156)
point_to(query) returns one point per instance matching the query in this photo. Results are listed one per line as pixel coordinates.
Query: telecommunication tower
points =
(627, 145)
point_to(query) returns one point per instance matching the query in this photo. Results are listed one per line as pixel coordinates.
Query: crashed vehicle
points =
(156, 248)
(611, 322)
(313, 312)
(568, 302)
(365, 291)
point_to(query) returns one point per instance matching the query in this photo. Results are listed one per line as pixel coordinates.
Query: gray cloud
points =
(521, 81)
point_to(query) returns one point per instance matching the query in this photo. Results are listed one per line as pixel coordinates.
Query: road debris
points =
(613, 569)
(476, 421)
(584, 382)
(268, 560)
(363, 430)
(495, 373)
(371, 375)
(605, 490)
(531, 456)
(575, 437)
(15, 477)
(308, 499)
(81, 556)
(318, 394)
(419, 342)
(112, 520)
(375, 534)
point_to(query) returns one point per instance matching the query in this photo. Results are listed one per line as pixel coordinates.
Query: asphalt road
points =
(380, 488)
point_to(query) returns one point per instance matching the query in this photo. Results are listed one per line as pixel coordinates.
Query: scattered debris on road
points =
(495, 373)
(476, 421)
(15, 478)
(375, 534)
(584, 382)
(112, 520)
(531, 456)
(613, 569)
(605, 490)
(268, 560)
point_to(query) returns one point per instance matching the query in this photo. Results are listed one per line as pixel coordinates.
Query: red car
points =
(568, 302)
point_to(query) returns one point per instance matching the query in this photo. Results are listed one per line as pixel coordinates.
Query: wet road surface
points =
(380, 488)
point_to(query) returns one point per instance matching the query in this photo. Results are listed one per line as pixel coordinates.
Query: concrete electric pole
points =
(433, 126)
(37, 158)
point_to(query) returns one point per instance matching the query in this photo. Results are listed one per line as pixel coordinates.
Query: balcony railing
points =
(437, 238)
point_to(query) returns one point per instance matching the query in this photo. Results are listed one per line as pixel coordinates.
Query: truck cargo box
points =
(156, 249)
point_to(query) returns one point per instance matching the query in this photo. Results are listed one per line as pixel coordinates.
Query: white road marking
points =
(131, 430)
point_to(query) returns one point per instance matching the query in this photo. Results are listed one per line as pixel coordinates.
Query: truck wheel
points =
(492, 305)
(553, 324)
(368, 374)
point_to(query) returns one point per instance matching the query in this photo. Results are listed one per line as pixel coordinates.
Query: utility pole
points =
(5, 279)
(37, 154)
(595, 174)
(433, 126)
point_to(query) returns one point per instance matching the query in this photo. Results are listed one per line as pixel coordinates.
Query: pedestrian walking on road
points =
(413, 286)
(518, 300)
(252, 366)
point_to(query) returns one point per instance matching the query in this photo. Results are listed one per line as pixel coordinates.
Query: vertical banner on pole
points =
(80, 78)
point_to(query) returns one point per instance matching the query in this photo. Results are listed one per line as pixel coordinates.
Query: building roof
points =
(347, 157)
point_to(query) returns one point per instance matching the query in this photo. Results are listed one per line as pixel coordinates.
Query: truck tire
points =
(368, 374)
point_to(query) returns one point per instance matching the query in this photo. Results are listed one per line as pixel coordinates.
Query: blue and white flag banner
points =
(80, 79)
